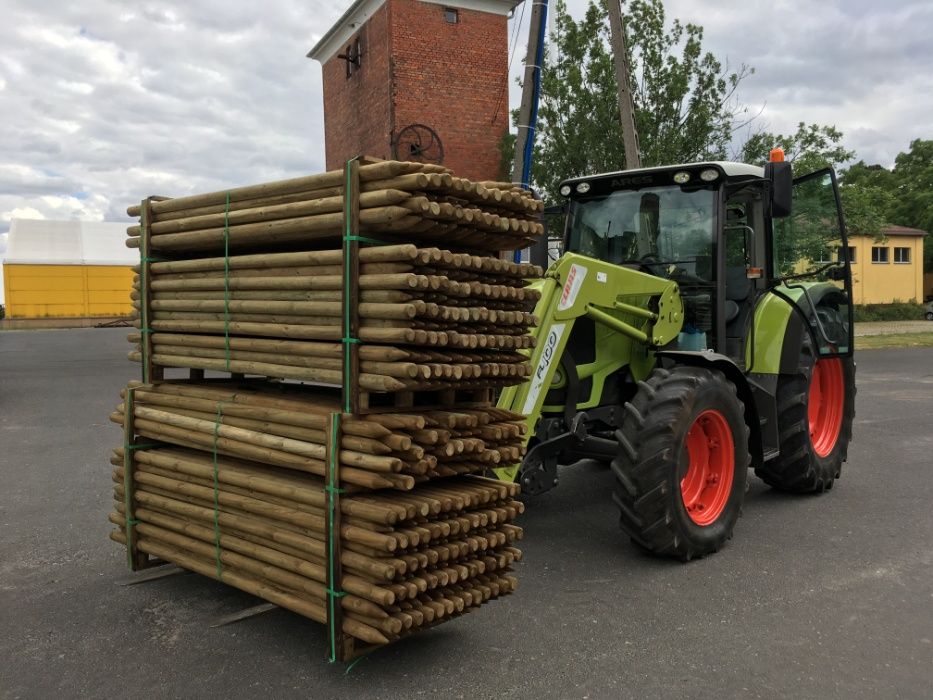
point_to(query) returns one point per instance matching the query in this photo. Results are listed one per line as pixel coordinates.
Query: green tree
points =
(809, 148)
(684, 96)
(865, 207)
(865, 190)
(913, 173)
(913, 205)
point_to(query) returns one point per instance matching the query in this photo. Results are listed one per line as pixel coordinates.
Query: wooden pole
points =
(135, 559)
(151, 371)
(624, 85)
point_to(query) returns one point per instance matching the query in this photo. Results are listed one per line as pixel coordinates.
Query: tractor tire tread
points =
(798, 469)
(643, 465)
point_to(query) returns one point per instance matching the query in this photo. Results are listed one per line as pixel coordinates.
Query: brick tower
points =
(418, 80)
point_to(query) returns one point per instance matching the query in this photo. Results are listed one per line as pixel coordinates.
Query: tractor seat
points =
(738, 289)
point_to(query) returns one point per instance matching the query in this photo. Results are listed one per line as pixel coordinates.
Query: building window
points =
(902, 255)
(451, 16)
(824, 256)
(879, 254)
(352, 57)
(840, 254)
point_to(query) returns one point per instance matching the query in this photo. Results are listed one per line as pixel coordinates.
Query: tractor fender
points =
(724, 364)
(798, 325)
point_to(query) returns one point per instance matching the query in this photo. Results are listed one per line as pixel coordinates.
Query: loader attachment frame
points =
(645, 309)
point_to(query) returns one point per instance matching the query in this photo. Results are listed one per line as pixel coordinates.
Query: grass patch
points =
(894, 340)
(896, 311)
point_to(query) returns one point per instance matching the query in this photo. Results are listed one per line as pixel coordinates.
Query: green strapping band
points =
(355, 662)
(142, 446)
(220, 567)
(363, 239)
(227, 281)
(333, 591)
(147, 259)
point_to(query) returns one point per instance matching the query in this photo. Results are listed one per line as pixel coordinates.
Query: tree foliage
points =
(809, 148)
(684, 96)
(902, 195)
(913, 178)
(866, 198)
(913, 200)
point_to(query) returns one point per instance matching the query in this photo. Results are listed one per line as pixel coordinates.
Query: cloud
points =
(102, 108)
(859, 65)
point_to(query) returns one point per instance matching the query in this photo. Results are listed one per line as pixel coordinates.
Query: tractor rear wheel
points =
(816, 406)
(682, 466)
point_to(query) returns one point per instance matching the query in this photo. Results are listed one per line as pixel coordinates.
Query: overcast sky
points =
(103, 103)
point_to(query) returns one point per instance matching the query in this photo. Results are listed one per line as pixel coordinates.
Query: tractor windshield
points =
(667, 229)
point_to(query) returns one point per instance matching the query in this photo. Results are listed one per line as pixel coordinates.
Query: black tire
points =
(651, 461)
(929, 316)
(799, 469)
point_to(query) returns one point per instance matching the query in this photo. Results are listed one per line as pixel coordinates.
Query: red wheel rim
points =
(825, 403)
(710, 454)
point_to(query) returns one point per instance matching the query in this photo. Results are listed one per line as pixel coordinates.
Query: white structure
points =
(59, 269)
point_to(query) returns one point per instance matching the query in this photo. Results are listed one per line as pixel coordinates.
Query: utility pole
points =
(531, 88)
(623, 81)
(528, 110)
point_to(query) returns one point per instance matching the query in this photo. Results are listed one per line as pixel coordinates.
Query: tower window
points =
(450, 15)
(352, 57)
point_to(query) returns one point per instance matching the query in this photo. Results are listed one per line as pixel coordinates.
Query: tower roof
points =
(361, 10)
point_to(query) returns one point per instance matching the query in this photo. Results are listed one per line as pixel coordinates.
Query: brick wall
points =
(450, 77)
(357, 110)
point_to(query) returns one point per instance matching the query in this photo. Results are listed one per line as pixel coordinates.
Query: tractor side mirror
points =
(781, 177)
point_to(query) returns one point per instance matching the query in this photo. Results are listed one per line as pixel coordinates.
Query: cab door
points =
(810, 265)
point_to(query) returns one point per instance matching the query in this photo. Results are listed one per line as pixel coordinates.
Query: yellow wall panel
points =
(883, 283)
(67, 291)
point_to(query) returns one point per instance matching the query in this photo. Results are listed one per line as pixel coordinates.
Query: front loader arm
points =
(645, 308)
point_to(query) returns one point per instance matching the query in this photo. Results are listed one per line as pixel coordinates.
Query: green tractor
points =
(698, 324)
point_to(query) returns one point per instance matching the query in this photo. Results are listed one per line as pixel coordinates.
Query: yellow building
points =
(890, 269)
(67, 269)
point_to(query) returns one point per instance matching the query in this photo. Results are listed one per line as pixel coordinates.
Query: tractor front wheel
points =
(683, 459)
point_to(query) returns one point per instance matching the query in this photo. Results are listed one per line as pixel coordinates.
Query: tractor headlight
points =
(709, 175)
(565, 190)
(583, 187)
(682, 178)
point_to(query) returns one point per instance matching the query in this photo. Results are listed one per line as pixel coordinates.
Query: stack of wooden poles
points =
(407, 562)
(287, 429)
(429, 318)
(399, 201)
(377, 522)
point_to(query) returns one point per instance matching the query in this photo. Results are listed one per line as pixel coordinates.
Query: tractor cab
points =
(725, 234)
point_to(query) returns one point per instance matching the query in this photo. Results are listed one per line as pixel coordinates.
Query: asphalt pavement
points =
(816, 597)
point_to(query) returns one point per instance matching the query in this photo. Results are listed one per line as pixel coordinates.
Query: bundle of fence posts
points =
(346, 477)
